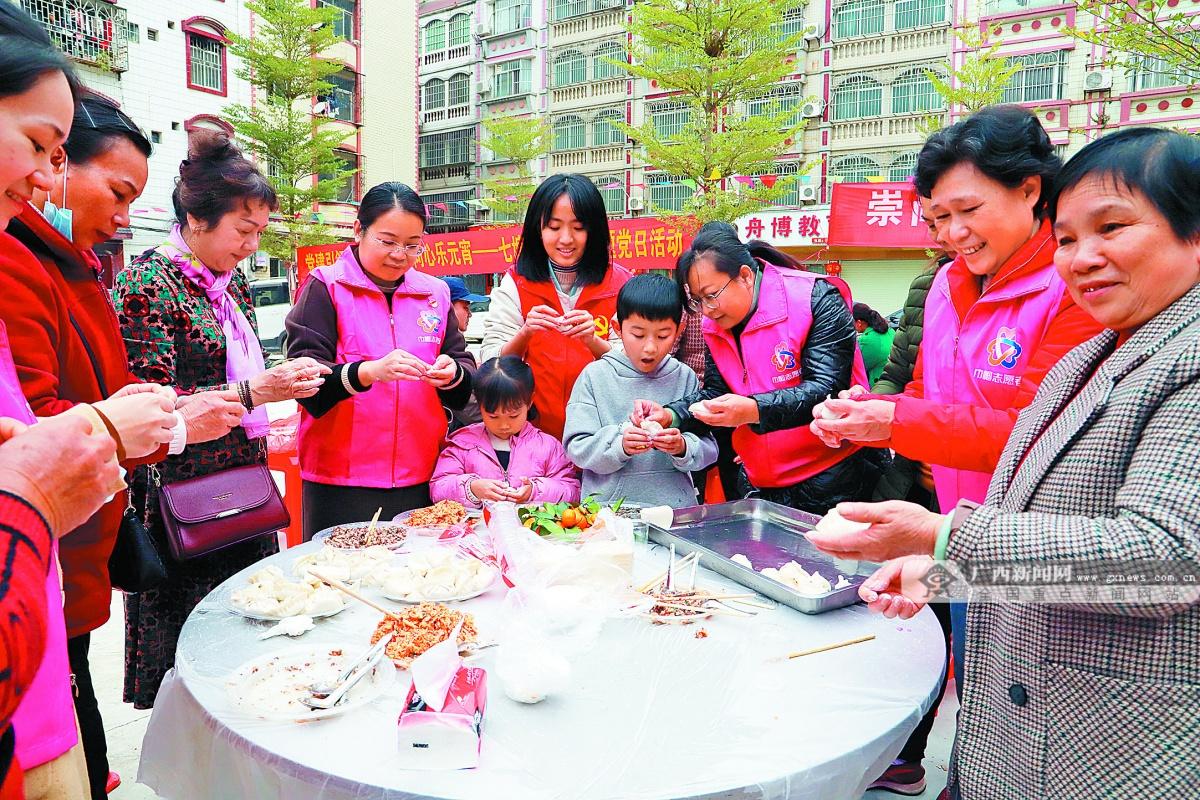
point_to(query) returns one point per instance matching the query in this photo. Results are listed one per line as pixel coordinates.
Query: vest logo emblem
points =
(603, 326)
(783, 358)
(429, 321)
(1004, 350)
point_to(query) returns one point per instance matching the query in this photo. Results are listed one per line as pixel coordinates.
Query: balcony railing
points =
(90, 31)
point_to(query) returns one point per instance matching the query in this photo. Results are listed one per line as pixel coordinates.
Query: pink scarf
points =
(243, 352)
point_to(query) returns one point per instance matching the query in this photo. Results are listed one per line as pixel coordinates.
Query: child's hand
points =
(670, 441)
(488, 489)
(635, 441)
(522, 493)
(648, 409)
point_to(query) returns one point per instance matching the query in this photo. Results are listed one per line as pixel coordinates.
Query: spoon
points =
(290, 626)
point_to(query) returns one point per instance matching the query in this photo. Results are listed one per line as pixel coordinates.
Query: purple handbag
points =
(211, 512)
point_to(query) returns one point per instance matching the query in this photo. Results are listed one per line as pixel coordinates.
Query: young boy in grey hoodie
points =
(618, 459)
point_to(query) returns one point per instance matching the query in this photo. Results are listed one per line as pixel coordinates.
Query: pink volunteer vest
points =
(772, 343)
(388, 436)
(979, 360)
(45, 719)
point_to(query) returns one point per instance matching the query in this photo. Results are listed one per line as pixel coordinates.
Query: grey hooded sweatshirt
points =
(600, 405)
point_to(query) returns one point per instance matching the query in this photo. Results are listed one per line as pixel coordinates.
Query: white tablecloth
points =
(652, 712)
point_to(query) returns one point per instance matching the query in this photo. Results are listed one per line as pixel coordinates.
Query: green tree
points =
(519, 141)
(1134, 30)
(719, 56)
(978, 83)
(282, 64)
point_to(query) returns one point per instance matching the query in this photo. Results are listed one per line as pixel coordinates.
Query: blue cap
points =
(458, 291)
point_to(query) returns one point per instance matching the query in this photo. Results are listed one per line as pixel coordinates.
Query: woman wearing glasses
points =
(780, 340)
(369, 438)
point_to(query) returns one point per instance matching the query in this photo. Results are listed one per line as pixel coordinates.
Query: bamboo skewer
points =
(370, 540)
(831, 646)
(341, 587)
(657, 579)
(697, 611)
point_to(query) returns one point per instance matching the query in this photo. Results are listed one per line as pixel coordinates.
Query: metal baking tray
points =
(768, 534)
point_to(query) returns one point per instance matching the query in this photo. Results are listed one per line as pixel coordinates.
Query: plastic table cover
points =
(651, 711)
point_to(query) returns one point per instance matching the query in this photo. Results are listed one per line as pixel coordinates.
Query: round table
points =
(652, 711)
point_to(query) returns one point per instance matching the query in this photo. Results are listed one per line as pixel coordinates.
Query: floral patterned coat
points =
(173, 338)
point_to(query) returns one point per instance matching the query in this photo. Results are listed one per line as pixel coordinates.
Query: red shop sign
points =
(877, 215)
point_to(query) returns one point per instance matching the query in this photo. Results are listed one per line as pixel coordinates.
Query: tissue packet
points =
(449, 738)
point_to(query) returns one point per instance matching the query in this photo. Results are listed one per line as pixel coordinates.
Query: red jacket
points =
(556, 361)
(968, 436)
(38, 301)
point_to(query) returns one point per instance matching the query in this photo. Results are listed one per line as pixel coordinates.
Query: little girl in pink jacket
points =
(504, 457)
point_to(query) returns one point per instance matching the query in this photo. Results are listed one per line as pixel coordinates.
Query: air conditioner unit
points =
(636, 204)
(483, 29)
(807, 194)
(483, 88)
(812, 109)
(814, 32)
(1097, 80)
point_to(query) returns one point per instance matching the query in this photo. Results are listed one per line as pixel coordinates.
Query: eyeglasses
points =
(411, 250)
(711, 301)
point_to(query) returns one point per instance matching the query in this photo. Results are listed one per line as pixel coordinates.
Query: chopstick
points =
(846, 643)
(341, 587)
(371, 528)
(657, 579)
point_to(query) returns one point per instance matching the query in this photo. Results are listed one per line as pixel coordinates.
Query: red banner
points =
(317, 255)
(877, 215)
(637, 244)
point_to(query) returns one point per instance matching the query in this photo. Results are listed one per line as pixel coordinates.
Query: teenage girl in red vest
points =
(555, 307)
(780, 340)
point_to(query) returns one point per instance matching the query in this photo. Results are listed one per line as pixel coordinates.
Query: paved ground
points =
(126, 726)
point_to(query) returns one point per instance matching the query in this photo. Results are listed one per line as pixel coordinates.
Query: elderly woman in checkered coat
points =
(1098, 696)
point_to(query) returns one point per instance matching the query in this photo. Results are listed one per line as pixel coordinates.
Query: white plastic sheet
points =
(650, 712)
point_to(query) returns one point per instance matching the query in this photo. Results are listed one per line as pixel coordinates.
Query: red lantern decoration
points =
(833, 268)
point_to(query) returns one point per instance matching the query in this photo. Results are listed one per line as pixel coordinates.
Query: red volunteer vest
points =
(556, 361)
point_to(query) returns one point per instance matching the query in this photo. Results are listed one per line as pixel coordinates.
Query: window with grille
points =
(902, 167)
(612, 189)
(343, 23)
(87, 30)
(510, 78)
(919, 13)
(1041, 77)
(857, 98)
(602, 61)
(604, 132)
(670, 119)
(789, 169)
(457, 214)
(343, 96)
(435, 95)
(511, 15)
(667, 191)
(347, 187)
(206, 62)
(913, 92)
(133, 32)
(858, 18)
(793, 23)
(435, 37)
(569, 133)
(1156, 73)
(781, 99)
(854, 169)
(458, 30)
(459, 90)
(564, 9)
(443, 149)
(570, 68)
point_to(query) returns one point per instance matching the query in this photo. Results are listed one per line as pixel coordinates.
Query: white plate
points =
(229, 606)
(321, 536)
(259, 686)
(414, 600)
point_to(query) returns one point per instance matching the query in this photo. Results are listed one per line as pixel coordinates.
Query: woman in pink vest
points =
(555, 308)
(780, 340)
(369, 438)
